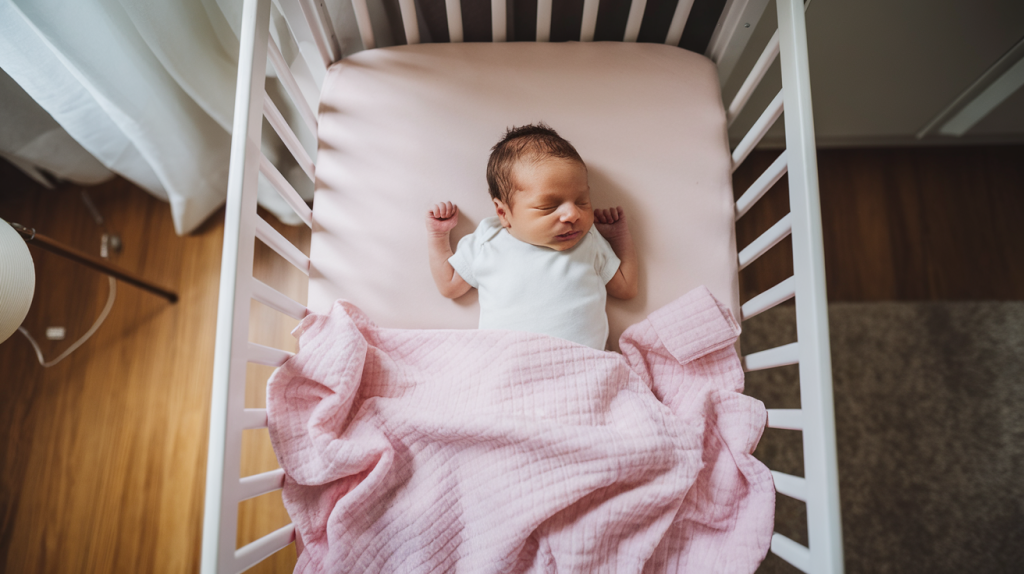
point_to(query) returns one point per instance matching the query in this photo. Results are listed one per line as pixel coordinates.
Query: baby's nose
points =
(570, 214)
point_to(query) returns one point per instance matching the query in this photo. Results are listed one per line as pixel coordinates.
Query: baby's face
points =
(551, 204)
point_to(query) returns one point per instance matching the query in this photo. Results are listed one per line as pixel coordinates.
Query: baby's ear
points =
(502, 212)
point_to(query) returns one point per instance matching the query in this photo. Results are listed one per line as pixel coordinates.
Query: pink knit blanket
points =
(415, 451)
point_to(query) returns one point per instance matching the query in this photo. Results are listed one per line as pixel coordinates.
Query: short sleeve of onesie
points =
(606, 263)
(468, 249)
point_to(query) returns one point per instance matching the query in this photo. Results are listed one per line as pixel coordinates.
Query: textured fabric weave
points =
(495, 451)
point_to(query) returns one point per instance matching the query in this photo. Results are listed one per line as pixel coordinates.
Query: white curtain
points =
(145, 86)
(31, 140)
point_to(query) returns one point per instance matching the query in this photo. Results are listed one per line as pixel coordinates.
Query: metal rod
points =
(32, 237)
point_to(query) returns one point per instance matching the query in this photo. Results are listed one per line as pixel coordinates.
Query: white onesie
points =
(524, 287)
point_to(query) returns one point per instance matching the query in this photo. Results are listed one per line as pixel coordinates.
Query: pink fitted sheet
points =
(405, 127)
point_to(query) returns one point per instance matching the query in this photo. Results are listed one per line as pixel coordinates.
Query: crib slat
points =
(312, 18)
(757, 131)
(788, 419)
(257, 484)
(286, 191)
(756, 191)
(254, 419)
(679, 18)
(255, 552)
(777, 357)
(324, 20)
(264, 355)
(793, 552)
(784, 291)
(499, 21)
(732, 33)
(273, 239)
(589, 20)
(792, 486)
(410, 22)
(276, 300)
(364, 25)
(291, 141)
(454, 11)
(302, 20)
(771, 51)
(291, 86)
(636, 16)
(766, 241)
(544, 8)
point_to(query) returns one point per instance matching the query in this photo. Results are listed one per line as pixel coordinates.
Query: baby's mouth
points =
(568, 235)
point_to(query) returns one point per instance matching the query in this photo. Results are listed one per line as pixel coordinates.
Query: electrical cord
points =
(99, 321)
(111, 295)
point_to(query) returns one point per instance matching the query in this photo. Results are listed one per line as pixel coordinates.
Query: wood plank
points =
(903, 224)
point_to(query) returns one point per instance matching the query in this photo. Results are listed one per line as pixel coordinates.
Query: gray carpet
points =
(929, 401)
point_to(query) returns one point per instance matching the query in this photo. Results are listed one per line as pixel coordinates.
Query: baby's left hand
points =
(611, 222)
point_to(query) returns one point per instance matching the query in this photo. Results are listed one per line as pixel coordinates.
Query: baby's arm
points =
(440, 221)
(611, 224)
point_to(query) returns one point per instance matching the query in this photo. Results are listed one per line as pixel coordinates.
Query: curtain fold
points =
(145, 86)
(31, 140)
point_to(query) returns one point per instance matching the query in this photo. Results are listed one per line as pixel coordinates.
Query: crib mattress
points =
(405, 127)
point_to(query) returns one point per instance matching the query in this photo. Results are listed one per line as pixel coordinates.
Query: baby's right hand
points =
(442, 218)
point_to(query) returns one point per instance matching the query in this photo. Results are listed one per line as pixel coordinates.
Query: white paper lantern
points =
(17, 280)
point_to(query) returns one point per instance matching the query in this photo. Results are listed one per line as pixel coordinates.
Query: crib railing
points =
(225, 487)
(311, 31)
(819, 487)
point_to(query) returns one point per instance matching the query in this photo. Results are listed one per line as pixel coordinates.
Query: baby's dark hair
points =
(531, 142)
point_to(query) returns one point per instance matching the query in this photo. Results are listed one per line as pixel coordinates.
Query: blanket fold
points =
(498, 451)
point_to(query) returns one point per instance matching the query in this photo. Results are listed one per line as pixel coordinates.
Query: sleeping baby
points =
(547, 261)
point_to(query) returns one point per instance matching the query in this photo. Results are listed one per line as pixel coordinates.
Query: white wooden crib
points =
(308, 23)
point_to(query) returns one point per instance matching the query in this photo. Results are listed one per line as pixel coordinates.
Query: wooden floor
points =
(903, 224)
(105, 453)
